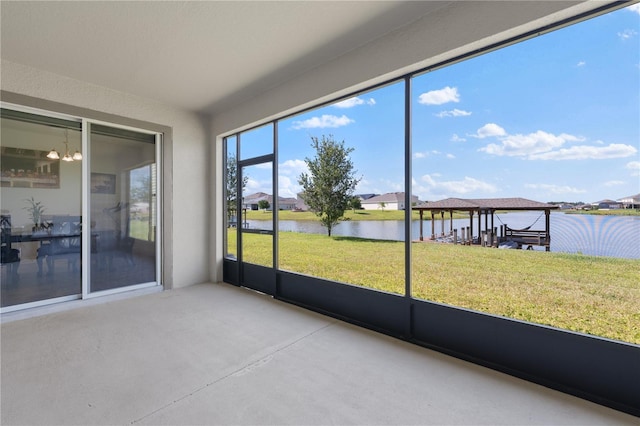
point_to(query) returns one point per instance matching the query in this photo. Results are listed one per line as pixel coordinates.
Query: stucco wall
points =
(190, 152)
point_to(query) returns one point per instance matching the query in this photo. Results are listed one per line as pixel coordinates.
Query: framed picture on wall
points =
(103, 183)
(28, 168)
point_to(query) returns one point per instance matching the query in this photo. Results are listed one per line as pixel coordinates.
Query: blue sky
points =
(554, 118)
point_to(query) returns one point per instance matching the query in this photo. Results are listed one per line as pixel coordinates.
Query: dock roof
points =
(484, 204)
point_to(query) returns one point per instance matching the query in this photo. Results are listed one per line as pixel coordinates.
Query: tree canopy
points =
(355, 203)
(232, 185)
(329, 185)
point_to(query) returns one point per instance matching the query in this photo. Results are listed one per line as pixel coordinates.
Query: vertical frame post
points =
(408, 207)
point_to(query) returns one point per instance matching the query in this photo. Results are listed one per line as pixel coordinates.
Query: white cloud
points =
(464, 186)
(364, 182)
(351, 102)
(613, 183)
(254, 186)
(581, 64)
(555, 189)
(543, 145)
(391, 186)
(288, 173)
(439, 97)
(634, 166)
(627, 34)
(425, 154)
(453, 113)
(450, 156)
(287, 187)
(326, 120)
(420, 191)
(489, 130)
(634, 8)
(456, 138)
(378, 186)
(586, 152)
(528, 145)
(293, 167)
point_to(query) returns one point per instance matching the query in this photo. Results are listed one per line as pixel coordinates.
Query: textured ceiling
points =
(200, 56)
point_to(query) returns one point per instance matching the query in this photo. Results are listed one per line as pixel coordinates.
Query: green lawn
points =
(595, 295)
(139, 229)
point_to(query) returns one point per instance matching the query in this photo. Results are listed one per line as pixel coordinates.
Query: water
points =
(612, 236)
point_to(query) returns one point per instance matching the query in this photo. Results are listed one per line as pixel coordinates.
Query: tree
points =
(263, 204)
(232, 185)
(329, 186)
(382, 205)
(141, 185)
(355, 204)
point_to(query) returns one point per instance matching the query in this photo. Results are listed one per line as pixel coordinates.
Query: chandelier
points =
(53, 154)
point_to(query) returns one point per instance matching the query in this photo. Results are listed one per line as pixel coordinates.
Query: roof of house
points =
(605, 201)
(287, 200)
(390, 197)
(365, 196)
(484, 203)
(634, 198)
(259, 196)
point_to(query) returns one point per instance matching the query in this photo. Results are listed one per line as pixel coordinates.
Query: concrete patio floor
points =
(217, 354)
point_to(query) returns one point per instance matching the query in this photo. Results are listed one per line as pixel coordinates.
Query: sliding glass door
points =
(79, 203)
(122, 208)
(41, 209)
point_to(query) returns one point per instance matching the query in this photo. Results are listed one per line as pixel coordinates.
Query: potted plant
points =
(35, 209)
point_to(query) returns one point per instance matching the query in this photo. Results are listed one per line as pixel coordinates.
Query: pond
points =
(612, 236)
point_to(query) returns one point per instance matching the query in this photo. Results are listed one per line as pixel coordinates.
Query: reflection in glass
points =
(41, 211)
(122, 208)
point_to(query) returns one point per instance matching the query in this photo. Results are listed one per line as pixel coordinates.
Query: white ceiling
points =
(200, 56)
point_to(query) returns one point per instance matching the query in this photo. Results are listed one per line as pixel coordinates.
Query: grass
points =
(139, 229)
(594, 295)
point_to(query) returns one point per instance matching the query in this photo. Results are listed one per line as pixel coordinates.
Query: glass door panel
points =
(41, 208)
(231, 199)
(256, 223)
(122, 206)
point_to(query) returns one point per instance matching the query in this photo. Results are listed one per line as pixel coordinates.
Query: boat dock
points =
(482, 212)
